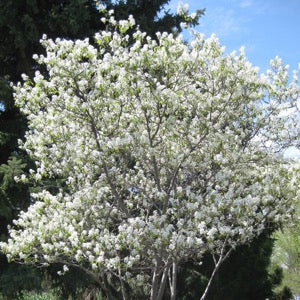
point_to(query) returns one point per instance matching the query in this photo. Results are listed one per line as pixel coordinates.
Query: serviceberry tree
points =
(168, 151)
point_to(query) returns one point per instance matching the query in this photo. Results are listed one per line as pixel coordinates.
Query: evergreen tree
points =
(287, 253)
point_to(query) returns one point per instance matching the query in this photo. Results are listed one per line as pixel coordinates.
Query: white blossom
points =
(182, 9)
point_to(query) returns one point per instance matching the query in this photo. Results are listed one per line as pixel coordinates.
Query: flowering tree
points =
(168, 152)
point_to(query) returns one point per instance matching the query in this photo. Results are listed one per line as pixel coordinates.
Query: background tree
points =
(287, 254)
(165, 150)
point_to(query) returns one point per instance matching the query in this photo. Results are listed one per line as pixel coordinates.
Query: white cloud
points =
(246, 3)
(223, 22)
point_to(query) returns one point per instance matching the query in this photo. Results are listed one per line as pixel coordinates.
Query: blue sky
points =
(265, 27)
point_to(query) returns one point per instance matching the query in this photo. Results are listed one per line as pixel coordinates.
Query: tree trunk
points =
(211, 278)
(173, 286)
(163, 283)
(159, 281)
(217, 266)
(155, 278)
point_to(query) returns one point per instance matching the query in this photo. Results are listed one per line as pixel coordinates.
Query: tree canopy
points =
(168, 151)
